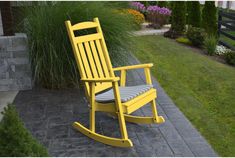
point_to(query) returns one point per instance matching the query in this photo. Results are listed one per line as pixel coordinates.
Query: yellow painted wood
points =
(86, 38)
(84, 25)
(98, 66)
(140, 97)
(107, 107)
(85, 61)
(119, 112)
(133, 67)
(92, 106)
(141, 102)
(138, 119)
(105, 85)
(104, 48)
(147, 76)
(157, 119)
(101, 138)
(96, 71)
(75, 49)
(123, 78)
(91, 60)
(111, 79)
(96, 58)
(102, 58)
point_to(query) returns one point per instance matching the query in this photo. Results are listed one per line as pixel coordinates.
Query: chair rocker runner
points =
(98, 75)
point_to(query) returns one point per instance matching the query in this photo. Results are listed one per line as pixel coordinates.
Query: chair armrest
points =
(112, 79)
(123, 70)
(133, 67)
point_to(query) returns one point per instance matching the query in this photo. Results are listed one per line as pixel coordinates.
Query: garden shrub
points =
(15, 140)
(184, 40)
(178, 20)
(230, 57)
(209, 18)
(210, 44)
(194, 13)
(51, 55)
(196, 36)
(139, 17)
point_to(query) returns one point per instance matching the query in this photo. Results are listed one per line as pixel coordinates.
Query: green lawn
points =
(202, 88)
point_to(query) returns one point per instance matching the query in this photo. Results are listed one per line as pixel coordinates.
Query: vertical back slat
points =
(97, 60)
(91, 60)
(75, 49)
(104, 48)
(102, 59)
(85, 61)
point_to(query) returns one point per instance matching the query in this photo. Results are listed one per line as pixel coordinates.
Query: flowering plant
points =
(158, 10)
(138, 6)
(221, 50)
(139, 17)
(158, 16)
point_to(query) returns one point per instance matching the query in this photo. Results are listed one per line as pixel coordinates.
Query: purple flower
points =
(138, 6)
(158, 10)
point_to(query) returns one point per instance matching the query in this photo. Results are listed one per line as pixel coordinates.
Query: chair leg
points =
(120, 114)
(92, 119)
(92, 107)
(122, 125)
(157, 119)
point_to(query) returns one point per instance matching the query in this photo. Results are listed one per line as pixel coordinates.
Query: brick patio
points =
(48, 114)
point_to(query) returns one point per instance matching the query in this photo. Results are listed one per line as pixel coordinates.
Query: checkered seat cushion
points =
(126, 93)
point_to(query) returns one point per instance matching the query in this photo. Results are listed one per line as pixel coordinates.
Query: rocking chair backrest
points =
(91, 53)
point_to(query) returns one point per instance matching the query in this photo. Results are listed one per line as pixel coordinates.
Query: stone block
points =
(5, 44)
(20, 54)
(22, 68)
(4, 87)
(3, 75)
(3, 68)
(6, 55)
(19, 74)
(19, 43)
(6, 82)
(18, 61)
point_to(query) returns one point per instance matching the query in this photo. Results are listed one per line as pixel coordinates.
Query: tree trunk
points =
(7, 20)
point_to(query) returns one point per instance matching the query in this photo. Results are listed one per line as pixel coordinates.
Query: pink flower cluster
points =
(159, 10)
(138, 6)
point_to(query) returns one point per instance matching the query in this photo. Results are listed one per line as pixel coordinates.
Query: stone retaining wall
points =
(15, 73)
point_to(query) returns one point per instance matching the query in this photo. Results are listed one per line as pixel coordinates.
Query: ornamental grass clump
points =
(51, 55)
(210, 44)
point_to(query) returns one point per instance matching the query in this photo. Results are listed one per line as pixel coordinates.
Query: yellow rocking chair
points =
(98, 75)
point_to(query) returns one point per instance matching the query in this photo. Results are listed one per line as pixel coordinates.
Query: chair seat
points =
(126, 93)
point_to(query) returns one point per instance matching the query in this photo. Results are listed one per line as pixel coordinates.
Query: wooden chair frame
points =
(97, 79)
